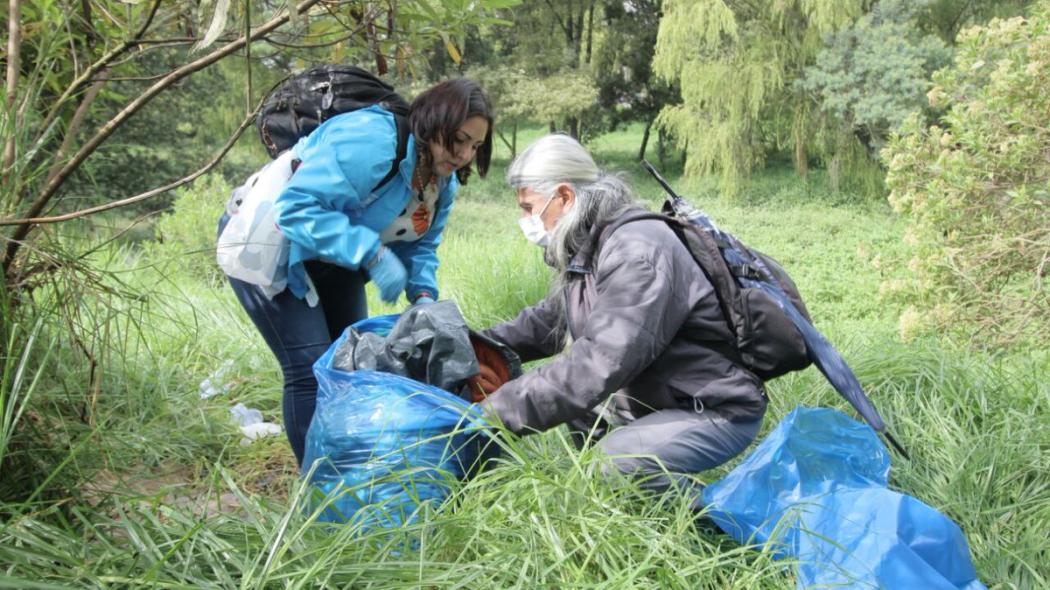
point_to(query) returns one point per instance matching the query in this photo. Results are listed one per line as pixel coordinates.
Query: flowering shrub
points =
(975, 189)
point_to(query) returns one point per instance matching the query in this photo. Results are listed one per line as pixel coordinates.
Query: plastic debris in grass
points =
(382, 446)
(215, 383)
(815, 490)
(252, 424)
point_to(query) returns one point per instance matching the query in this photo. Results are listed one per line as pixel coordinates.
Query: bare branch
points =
(177, 74)
(314, 45)
(93, 69)
(150, 193)
(74, 126)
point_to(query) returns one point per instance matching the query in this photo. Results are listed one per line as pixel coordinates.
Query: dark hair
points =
(441, 110)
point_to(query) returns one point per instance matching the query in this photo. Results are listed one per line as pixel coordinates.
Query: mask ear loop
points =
(548, 203)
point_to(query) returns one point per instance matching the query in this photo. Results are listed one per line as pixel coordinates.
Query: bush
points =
(975, 189)
(186, 235)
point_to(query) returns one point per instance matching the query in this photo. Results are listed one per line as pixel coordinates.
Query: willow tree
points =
(736, 61)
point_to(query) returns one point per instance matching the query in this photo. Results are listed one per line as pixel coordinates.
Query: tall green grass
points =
(157, 490)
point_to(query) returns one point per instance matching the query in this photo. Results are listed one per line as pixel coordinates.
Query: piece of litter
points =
(213, 385)
(259, 430)
(245, 416)
(251, 422)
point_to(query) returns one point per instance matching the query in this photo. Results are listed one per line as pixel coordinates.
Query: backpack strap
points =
(402, 149)
(702, 246)
(581, 262)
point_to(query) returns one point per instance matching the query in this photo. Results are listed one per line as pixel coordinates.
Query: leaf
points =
(218, 24)
(453, 52)
(497, 4)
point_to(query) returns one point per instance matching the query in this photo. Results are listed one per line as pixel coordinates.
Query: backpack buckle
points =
(747, 271)
(578, 269)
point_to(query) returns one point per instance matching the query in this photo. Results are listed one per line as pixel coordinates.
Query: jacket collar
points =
(582, 262)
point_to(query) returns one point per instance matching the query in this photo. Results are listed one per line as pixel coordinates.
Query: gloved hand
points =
(494, 370)
(388, 274)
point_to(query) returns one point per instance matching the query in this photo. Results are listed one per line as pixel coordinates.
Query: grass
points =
(150, 486)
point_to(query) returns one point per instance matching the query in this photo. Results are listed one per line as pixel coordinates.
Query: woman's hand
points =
(388, 273)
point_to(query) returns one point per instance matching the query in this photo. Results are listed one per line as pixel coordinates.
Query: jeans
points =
(298, 334)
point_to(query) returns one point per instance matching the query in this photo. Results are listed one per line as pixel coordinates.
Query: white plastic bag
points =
(251, 422)
(251, 247)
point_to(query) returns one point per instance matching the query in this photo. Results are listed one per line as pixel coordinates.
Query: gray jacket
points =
(644, 323)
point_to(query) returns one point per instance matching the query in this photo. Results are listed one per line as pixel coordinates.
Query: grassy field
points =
(150, 485)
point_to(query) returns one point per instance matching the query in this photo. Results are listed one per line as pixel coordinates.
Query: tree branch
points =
(93, 69)
(14, 47)
(557, 17)
(150, 193)
(74, 126)
(179, 73)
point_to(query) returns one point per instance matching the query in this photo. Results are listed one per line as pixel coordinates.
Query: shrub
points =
(186, 234)
(975, 189)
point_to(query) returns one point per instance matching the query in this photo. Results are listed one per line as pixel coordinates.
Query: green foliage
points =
(521, 98)
(186, 234)
(874, 73)
(948, 17)
(180, 503)
(178, 133)
(757, 78)
(736, 63)
(976, 189)
(622, 65)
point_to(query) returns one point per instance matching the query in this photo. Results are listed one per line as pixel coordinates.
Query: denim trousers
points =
(298, 334)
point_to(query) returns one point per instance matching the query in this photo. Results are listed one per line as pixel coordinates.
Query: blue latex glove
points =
(388, 274)
(423, 299)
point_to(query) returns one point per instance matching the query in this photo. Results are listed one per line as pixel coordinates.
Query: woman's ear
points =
(567, 194)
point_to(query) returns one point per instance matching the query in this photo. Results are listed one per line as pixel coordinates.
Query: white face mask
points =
(532, 227)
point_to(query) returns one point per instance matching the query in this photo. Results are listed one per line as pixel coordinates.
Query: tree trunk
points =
(801, 158)
(578, 41)
(506, 142)
(553, 127)
(570, 34)
(645, 139)
(573, 125)
(514, 141)
(590, 30)
(661, 146)
(14, 47)
(835, 173)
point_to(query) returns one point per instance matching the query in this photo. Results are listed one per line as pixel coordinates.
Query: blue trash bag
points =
(380, 445)
(815, 490)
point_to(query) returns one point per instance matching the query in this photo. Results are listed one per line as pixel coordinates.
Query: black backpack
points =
(765, 339)
(302, 102)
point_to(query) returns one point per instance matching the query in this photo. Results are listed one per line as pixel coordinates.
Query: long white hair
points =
(601, 197)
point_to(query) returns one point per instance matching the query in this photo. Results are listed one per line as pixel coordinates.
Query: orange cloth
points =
(494, 370)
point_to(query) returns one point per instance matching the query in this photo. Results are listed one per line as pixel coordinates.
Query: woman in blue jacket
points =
(344, 231)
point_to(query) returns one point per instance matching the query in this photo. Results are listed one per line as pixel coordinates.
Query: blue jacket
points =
(328, 209)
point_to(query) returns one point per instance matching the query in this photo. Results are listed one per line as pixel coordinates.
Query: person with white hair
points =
(644, 363)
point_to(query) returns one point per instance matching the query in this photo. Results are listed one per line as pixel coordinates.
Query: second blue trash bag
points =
(815, 490)
(383, 444)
